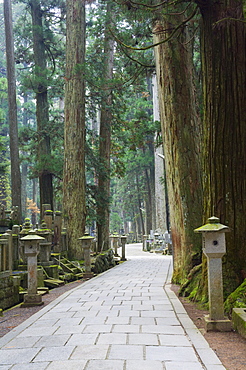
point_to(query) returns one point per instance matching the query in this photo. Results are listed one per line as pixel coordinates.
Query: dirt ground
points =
(16, 315)
(230, 347)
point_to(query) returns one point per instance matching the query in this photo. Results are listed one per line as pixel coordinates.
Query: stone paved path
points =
(124, 319)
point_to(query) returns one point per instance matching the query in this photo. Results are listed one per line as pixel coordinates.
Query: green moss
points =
(193, 294)
(103, 261)
(236, 299)
(239, 321)
(193, 287)
(231, 279)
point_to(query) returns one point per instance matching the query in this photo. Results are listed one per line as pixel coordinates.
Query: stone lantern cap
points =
(32, 236)
(86, 241)
(86, 237)
(213, 225)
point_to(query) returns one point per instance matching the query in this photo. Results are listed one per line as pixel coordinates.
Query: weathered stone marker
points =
(145, 242)
(86, 245)
(214, 248)
(31, 250)
(123, 247)
(115, 239)
(45, 245)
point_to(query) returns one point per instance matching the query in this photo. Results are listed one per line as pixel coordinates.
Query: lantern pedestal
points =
(214, 248)
(31, 251)
(123, 245)
(114, 242)
(217, 325)
(86, 246)
(31, 300)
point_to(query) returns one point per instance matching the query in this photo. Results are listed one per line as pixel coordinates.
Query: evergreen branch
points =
(192, 37)
(181, 13)
(160, 42)
(52, 58)
(230, 19)
(135, 60)
(118, 86)
(129, 2)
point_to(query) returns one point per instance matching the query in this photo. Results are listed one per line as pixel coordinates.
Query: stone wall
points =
(9, 292)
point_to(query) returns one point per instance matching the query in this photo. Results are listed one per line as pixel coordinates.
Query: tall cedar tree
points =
(13, 125)
(105, 137)
(180, 128)
(42, 105)
(74, 209)
(224, 80)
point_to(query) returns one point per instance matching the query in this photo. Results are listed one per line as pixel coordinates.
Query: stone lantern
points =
(86, 245)
(25, 230)
(214, 248)
(123, 246)
(115, 239)
(45, 245)
(48, 218)
(145, 236)
(31, 250)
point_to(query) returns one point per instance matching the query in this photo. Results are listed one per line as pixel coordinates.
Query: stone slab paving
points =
(124, 319)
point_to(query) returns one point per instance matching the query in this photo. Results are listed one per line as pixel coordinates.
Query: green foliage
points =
(116, 222)
(3, 99)
(190, 286)
(132, 124)
(133, 128)
(236, 299)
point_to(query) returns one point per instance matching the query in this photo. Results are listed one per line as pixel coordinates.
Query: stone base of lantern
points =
(31, 300)
(217, 325)
(88, 275)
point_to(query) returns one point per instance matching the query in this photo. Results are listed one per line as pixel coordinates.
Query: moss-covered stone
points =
(9, 292)
(239, 320)
(52, 271)
(103, 261)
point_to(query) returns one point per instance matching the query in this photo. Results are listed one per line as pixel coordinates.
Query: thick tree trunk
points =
(74, 208)
(148, 200)
(224, 71)
(160, 188)
(139, 210)
(42, 105)
(151, 148)
(13, 125)
(24, 169)
(105, 139)
(180, 127)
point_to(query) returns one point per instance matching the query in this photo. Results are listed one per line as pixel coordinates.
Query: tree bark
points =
(74, 208)
(160, 183)
(42, 105)
(180, 129)
(13, 124)
(224, 72)
(140, 206)
(24, 168)
(149, 197)
(105, 139)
